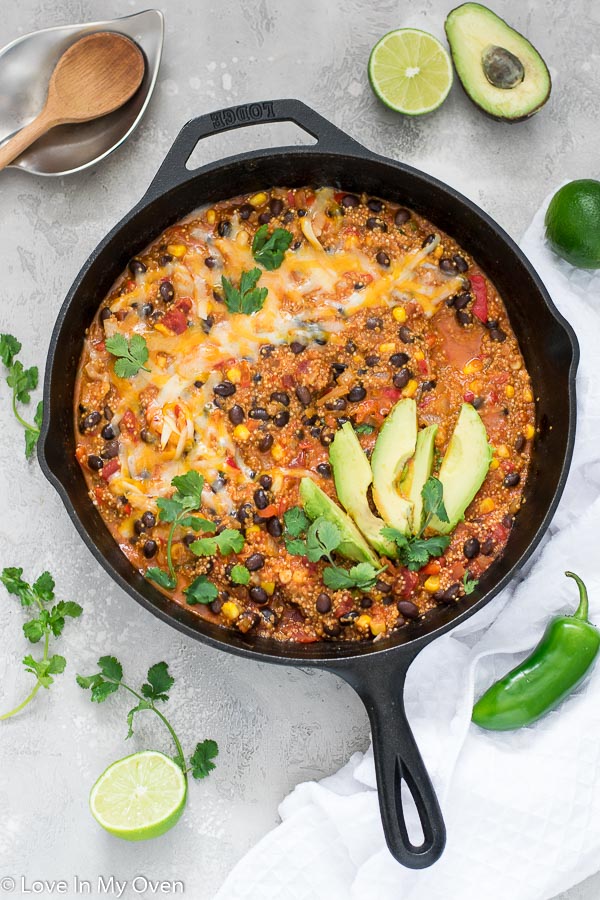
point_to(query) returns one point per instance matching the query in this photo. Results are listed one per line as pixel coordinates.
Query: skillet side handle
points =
(173, 171)
(398, 761)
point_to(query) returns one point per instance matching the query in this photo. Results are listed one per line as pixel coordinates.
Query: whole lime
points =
(573, 223)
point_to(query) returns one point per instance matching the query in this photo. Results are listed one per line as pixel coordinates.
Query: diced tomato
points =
(101, 346)
(268, 511)
(392, 394)
(468, 396)
(493, 397)
(110, 468)
(422, 366)
(175, 321)
(129, 425)
(500, 378)
(432, 568)
(480, 304)
(291, 198)
(500, 533)
(230, 461)
(345, 606)
(338, 196)
(410, 580)
(185, 304)
(130, 285)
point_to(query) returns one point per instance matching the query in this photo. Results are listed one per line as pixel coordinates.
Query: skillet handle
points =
(398, 761)
(173, 171)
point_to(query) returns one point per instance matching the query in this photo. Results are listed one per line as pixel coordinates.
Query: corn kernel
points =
(377, 628)
(387, 347)
(432, 584)
(363, 622)
(438, 251)
(419, 354)
(268, 586)
(495, 464)
(277, 452)
(177, 250)
(234, 375)
(285, 576)
(529, 432)
(242, 238)
(527, 395)
(252, 529)
(163, 329)
(476, 386)
(211, 217)
(410, 389)
(487, 506)
(241, 433)
(474, 366)
(509, 391)
(502, 451)
(399, 314)
(258, 199)
(230, 610)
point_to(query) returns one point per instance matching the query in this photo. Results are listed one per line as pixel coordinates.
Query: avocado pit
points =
(502, 68)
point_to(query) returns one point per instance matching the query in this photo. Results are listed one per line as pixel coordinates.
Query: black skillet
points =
(376, 670)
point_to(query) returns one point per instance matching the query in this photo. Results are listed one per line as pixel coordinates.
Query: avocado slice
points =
(419, 470)
(394, 446)
(499, 69)
(353, 476)
(316, 503)
(464, 467)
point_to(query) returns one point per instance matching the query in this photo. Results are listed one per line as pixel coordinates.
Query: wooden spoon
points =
(93, 77)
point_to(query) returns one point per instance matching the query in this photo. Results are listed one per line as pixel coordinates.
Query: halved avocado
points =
(394, 446)
(499, 69)
(316, 503)
(353, 476)
(419, 470)
(464, 467)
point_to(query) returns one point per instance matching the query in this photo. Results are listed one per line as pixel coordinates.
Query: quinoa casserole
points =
(304, 414)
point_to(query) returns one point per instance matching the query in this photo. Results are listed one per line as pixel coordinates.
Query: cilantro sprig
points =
(177, 510)
(270, 251)
(247, 298)
(415, 552)
(131, 355)
(47, 622)
(22, 381)
(109, 679)
(469, 583)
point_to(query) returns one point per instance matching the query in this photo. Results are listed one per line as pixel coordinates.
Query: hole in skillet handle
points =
(174, 171)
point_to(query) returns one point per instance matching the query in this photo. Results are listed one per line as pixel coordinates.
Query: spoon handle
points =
(25, 137)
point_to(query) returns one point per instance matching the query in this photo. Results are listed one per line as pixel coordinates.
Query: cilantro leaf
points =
(44, 669)
(270, 251)
(22, 381)
(189, 489)
(9, 348)
(240, 574)
(110, 667)
(364, 575)
(296, 547)
(361, 577)
(230, 540)
(159, 683)
(201, 590)
(34, 630)
(31, 439)
(414, 552)
(105, 682)
(296, 521)
(168, 509)
(162, 578)
(322, 538)
(14, 584)
(197, 523)
(44, 587)
(433, 501)
(56, 616)
(364, 428)
(103, 689)
(131, 355)
(200, 761)
(469, 583)
(143, 704)
(247, 298)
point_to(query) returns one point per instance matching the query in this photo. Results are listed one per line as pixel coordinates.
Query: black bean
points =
(487, 548)
(349, 618)
(296, 347)
(356, 394)
(147, 436)
(408, 609)
(164, 259)
(461, 300)
(336, 405)
(109, 432)
(324, 470)
(149, 549)
(266, 481)
(365, 602)
(91, 420)
(224, 227)
(492, 323)
(94, 462)
(207, 324)
(216, 606)
(145, 310)
(428, 386)
(350, 201)
(511, 480)
(266, 350)
(268, 616)
(280, 397)
(463, 317)
(374, 323)
(136, 267)
(110, 450)
(406, 335)
(149, 519)
(276, 206)
(210, 262)
(449, 595)
(255, 562)
(260, 413)
(265, 443)
(327, 436)
(274, 527)
(248, 619)
(261, 500)
(350, 348)
(402, 216)
(138, 526)
(371, 361)
(304, 395)
(332, 630)
(382, 586)
(496, 334)
(258, 594)
(471, 548)
(167, 291)
(301, 213)
(323, 604)
(245, 211)
(244, 512)
(265, 217)
(401, 378)
(383, 259)
(520, 443)
(428, 240)
(224, 389)
(105, 314)
(508, 521)
(447, 265)
(477, 403)
(399, 359)
(281, 418)
(373, 223)
(107, 413)
(461, 264)
(374, 205)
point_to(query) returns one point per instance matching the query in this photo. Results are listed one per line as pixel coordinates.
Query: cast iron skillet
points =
(376, 671)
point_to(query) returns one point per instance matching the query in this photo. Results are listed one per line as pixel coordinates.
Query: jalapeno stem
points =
(583, 608)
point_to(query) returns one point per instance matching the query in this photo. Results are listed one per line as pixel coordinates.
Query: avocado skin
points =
(316, 503)
(455, 54)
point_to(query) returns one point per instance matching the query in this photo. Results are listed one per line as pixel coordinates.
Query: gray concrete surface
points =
(275, 727)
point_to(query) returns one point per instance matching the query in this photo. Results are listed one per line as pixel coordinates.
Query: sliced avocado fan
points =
(501, 72)
(353, 476)
(316, 503)
(394, 446)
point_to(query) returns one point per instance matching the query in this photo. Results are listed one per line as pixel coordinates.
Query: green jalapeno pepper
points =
(557, 665)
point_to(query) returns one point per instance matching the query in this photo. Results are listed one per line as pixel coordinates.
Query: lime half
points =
(410, 71)
(139, 797)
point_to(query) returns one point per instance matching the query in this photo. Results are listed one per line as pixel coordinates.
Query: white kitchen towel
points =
(522, 809)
